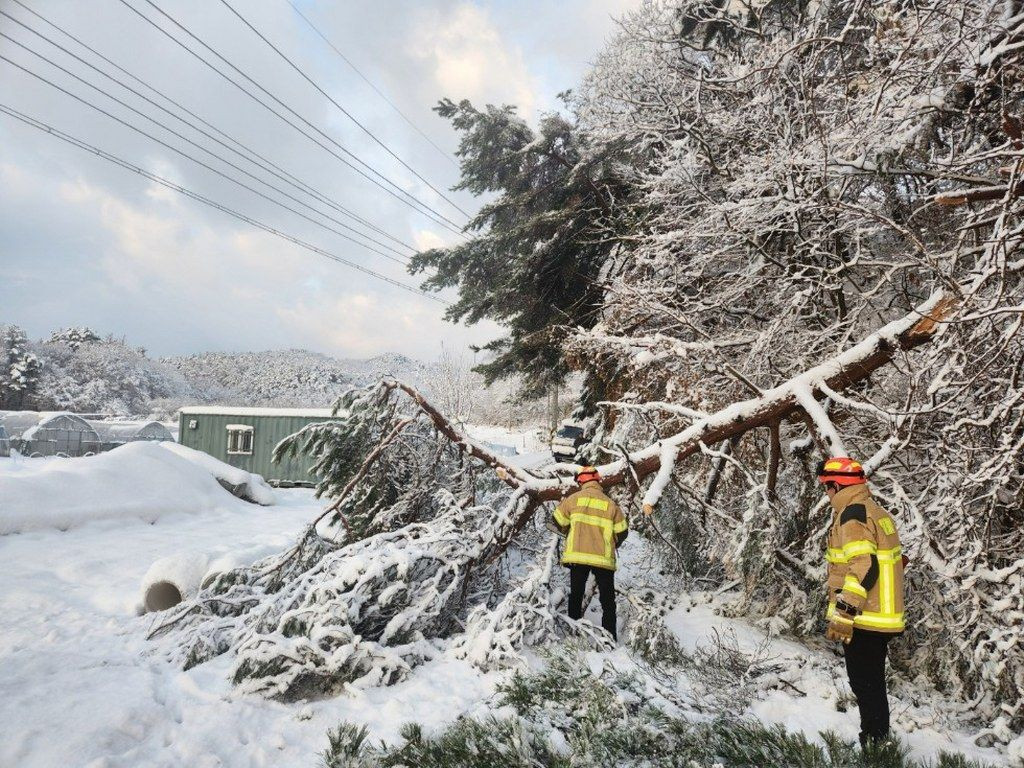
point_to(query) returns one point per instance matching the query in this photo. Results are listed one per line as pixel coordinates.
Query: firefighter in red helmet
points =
(594, 527)
(865, 588)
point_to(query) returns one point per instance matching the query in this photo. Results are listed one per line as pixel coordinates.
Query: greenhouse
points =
(43, 433)
(115, 433)
(50, 434)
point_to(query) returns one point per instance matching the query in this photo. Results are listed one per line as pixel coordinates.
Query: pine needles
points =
(566, 716)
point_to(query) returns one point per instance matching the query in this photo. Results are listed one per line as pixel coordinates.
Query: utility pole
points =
(553, 411)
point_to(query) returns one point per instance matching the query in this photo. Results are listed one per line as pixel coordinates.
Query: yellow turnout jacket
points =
(594, 524)
(865, 562)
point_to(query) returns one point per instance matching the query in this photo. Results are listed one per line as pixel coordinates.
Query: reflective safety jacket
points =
(865, 562)
(595, 526)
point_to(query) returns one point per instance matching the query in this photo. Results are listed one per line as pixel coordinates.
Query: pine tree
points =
(19, 369)
(535, 256)
(74, 337)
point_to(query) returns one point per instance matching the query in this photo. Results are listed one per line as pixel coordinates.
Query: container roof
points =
(230, 410)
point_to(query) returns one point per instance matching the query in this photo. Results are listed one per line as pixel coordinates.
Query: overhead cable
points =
(40, 125)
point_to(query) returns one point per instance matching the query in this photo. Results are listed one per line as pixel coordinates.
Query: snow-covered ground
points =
(814, 687)
(81, 686)
(524, 441)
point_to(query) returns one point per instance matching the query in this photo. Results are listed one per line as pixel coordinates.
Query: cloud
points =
(363, 324)
(425, 239)
(255, 290)
(470, 59)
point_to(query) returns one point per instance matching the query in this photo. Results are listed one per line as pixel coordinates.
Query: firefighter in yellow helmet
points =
(594, 527)
(865, 587)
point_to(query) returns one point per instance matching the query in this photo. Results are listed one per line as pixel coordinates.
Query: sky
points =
(84, 242)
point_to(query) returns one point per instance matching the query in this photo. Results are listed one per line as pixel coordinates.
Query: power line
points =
(38, 124)
(340, 108)
(180, 152)
(280, 173)
(399, 194)
(370, 83)
(401, 258)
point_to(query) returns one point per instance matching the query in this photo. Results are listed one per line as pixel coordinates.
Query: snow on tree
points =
(74, 337)
(290, 377)
(454, 387)
(90, 375)
(819, 170)
(19, 369)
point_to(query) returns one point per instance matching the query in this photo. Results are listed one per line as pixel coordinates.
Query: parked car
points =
(567, 441)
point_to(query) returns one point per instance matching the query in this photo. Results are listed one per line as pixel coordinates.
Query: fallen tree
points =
(358, 600)
(782, 402)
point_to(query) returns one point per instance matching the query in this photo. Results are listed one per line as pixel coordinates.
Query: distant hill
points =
(368, 370)
(77, 370)
(288, 377)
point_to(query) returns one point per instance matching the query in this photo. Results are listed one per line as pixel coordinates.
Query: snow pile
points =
(75, 653)
(138, 480)
(245, 485)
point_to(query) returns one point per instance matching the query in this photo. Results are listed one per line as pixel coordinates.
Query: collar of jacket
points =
(848, 495)
(593, 485)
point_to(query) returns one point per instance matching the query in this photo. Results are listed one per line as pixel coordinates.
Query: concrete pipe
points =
(172, 579)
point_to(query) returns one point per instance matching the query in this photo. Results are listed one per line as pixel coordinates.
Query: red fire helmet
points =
(841, 470)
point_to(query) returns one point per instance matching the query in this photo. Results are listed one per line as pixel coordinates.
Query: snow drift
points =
(244, 485)
(138, 480)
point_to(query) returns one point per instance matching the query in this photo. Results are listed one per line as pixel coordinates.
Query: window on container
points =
(240, 439)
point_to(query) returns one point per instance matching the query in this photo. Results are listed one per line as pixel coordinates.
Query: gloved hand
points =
(840, 626)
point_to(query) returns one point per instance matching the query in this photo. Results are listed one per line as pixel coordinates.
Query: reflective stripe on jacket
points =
(595, 525)
(865, 562)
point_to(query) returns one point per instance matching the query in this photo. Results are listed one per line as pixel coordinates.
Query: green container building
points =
(246, 437)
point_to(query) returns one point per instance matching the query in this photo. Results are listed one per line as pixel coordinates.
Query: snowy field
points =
(81, 686)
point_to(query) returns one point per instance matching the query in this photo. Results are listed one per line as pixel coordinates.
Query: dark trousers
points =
(578, 575)
(865, 664)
